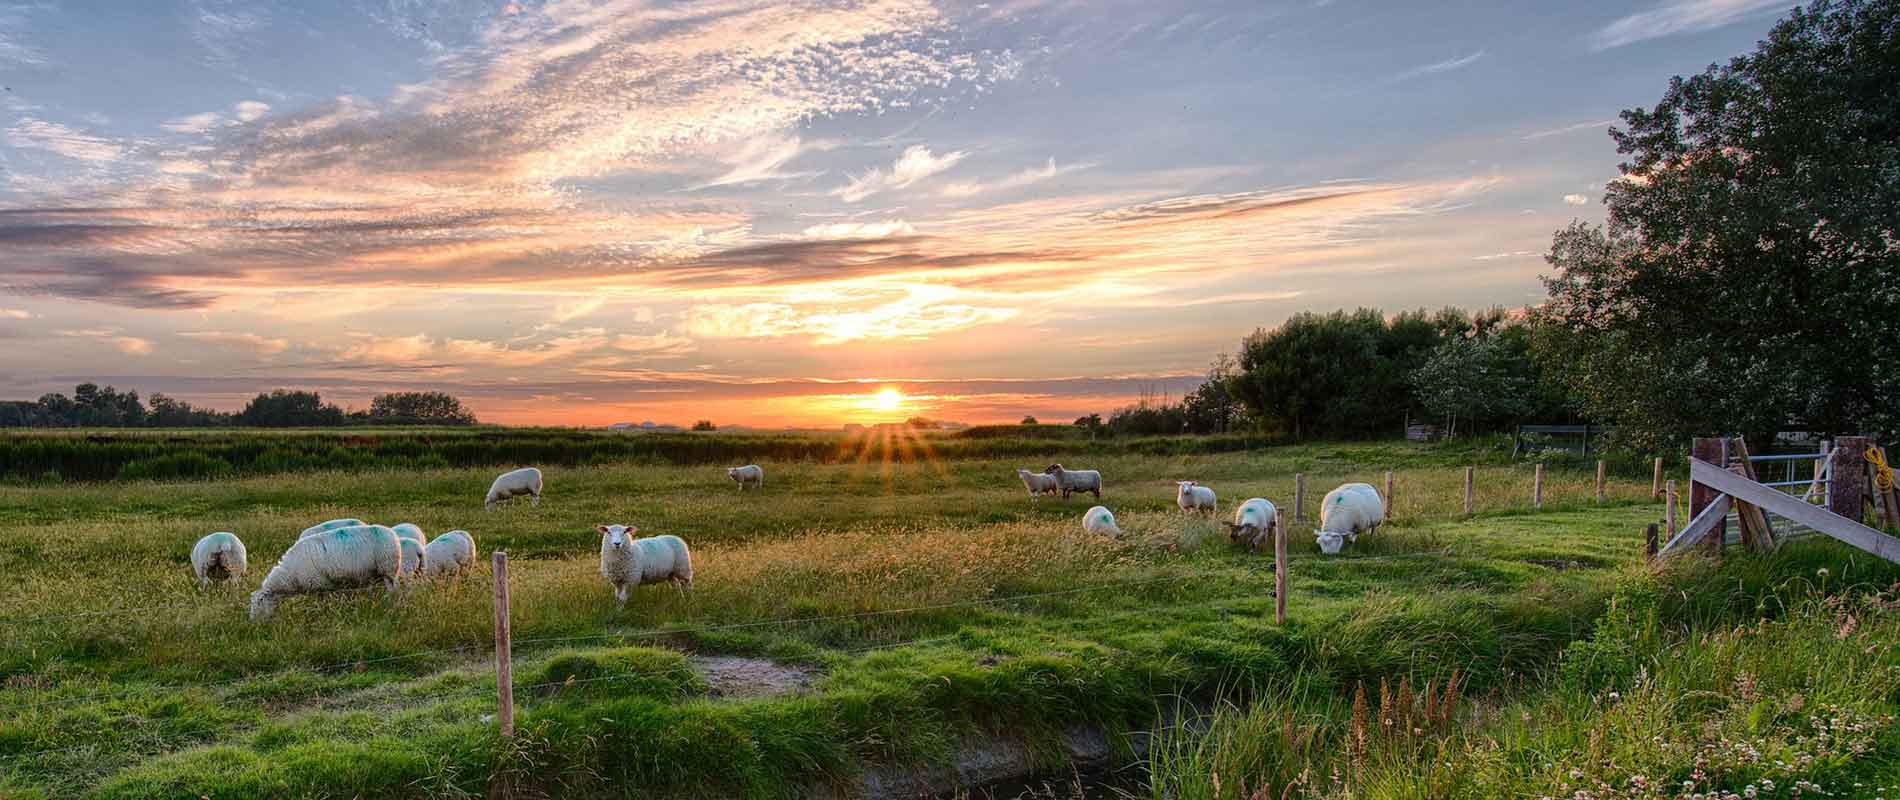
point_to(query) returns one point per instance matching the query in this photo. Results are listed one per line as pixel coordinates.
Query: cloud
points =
(66, 141)
(1510, 254)
(13, 52)
(1440, 66)
(196, 123)
(568, 312)
(860, 230)
(1677, 17)
(1018, 180)
(1577, 199)
(917, 163)
(761, 158)
(250, 110)
(261, 345)
(14, 313)
(918, 313)
(1598, 125)
(130, 345)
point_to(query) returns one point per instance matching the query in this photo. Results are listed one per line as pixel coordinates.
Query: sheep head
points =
(616, 536)
(1329, 543)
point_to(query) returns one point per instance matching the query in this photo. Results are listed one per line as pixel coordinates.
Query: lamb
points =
(348, 522)
(450, 553)
(412, 556)
(1346, 511)
(344, 558)
(409, 530)
(750, 473)
(218, 557)
(526, 480)
(627, 562)
(1037, 483)
(1076, 480)
(1253, 523)
(1100, 520)
(1193, 497)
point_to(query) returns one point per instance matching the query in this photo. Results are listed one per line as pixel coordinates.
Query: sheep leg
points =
(534, 500)
(620, 597)
(1098, 493)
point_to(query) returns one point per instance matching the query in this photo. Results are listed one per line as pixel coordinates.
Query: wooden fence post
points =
(1279, 566)
(1655, 483)
(1891, 494)
(1601, 466)
(1299, 497)
(1537, 486)
(1669, 510)
(1846, 477)
(1389, 511)
(1468, 476)
(504, 641)
(1649, 542)
(1715, 451)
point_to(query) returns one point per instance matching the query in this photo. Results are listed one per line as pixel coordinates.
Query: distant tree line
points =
(93, 406)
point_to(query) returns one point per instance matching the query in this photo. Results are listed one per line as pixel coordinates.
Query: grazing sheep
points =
(1347, 511)
(345, 558)
(408, 530)
(411, 557)
(1193, 497)
(627, 562)
(1100, 520)
(450, 553)
(1037, 483)
(1253, 523)
(509, 485)
(750, 473)
(1076, 480)
(218, 557)
(331, 525)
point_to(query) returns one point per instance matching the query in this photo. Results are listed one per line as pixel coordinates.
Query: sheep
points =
(412, 557)
(1345, 512)
(509, 485)
(627, 562)
(1100, 520)
(1076, 480)
(1037, 483)
(1193, 497)
(409, 530)
(1253, 523)
(750, 473)
(218, 557)
(348, 522)
(345, 558)
(450, 553)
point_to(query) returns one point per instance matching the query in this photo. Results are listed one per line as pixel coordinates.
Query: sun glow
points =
(887, 399)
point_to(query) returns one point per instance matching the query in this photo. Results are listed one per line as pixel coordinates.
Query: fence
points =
(1723, 480)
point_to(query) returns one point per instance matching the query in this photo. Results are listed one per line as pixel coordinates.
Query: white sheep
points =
(450, 553)
(1345, 513)
(411, 557)
(750, 473)
(1037, 483)
(1253, 523)
(218, 557)
(345, 558)
(1076, 480)
(409, 530)
(1099, 520)
(526, 480)
(348, 522)
(627, 562)
(1193, 497)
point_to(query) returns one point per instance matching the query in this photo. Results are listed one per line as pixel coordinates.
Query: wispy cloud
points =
(1678, 17)
(130, 345)
(195, 123)
(1440, 66)
(14, 313)
(763, 158)
(1577, 199)
(1597, 125)
(860, 230)
(261, 345)
(66, 141)
(1027, 177)
(916, 164)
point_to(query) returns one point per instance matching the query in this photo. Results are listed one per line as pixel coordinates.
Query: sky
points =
(580, 213)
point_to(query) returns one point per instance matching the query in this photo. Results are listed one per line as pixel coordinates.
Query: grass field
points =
(918, 604)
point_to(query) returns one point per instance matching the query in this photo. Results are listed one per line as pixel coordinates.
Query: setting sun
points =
(887, 399)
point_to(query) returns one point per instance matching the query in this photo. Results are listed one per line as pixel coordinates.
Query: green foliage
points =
(283, 408)
(418, 408)
(1029, 420)
(705, 425)
(1745, 281)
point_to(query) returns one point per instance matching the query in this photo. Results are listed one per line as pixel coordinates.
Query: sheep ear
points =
(603, 529)
(632, 529)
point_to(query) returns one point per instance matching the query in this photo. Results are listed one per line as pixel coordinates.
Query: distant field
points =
(909, 606)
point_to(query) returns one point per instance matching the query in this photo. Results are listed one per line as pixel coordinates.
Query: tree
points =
(1092, 424)
(1212, 407)
(1028, 420)
(1333, 375)
(1749, 265)
(921, 422)
(419, 408)
(289, 409)
(1468, 378)
(705, 425)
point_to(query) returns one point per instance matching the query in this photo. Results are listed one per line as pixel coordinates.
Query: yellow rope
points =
(1883, 474)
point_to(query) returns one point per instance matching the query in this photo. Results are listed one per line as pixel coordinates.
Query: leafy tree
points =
(921, 422)
(1028, 420)
(1747, 276)
(419, 408)
(1091, 424)
(1213, 407)
(289, 409)
(705, 425)
(1327, 376)
(1470, 379)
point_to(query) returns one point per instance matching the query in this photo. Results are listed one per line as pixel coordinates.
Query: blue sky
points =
(581, 212)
